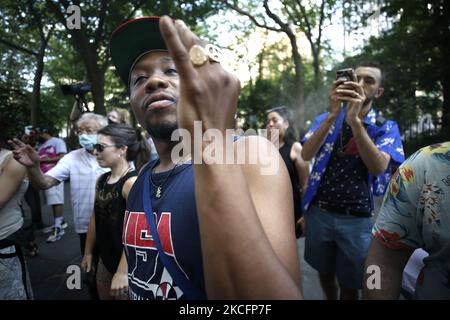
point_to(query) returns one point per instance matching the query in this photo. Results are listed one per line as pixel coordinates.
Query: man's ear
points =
(380, 92)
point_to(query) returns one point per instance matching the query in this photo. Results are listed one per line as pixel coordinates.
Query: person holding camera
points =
(354, 151)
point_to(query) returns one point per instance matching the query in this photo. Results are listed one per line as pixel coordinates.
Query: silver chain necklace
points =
(159, 187)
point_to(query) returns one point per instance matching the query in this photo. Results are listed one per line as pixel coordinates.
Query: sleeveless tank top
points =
(11, 218)
(175, 213)
(109, 208)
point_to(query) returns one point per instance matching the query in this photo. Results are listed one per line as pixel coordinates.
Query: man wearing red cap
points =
(195, 231)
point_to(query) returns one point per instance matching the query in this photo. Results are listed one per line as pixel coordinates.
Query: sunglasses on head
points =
(100, 147)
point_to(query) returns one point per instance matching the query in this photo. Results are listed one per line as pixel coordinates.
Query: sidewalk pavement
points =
(48, 270)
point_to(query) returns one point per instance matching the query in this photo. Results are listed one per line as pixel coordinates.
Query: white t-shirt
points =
(82, 169)
(59, 144)
(50, 149)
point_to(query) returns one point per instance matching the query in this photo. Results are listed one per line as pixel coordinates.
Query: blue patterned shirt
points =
(386, 138)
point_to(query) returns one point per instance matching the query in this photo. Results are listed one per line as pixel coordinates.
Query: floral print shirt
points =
(386, 138)
(416, 214)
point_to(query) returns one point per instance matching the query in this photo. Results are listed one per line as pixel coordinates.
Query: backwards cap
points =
(131, 40)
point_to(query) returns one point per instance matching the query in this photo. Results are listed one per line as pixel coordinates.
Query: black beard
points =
(367, 101)
(162, 131)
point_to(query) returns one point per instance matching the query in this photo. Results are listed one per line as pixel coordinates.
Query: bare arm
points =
(86, 262)
(28, 157)
(41, 180)
(127, 187)
(317, 139)
(375, 160)
(251, 223)
(119, 282)
(91, 235)
(391, 263)
(10, 179)
(301, 166)
(75, 114)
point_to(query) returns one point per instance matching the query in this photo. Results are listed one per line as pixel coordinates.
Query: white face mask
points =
(87, 141)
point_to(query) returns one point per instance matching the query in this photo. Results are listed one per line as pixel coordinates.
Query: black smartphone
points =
(345, 74)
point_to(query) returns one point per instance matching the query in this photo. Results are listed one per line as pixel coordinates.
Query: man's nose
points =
(156, 81)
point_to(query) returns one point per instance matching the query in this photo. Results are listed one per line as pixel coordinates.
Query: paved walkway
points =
(48, 270)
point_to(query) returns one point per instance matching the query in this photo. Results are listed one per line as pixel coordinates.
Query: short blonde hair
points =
(124, 115)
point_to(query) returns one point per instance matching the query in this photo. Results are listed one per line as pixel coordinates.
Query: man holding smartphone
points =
(355, 151)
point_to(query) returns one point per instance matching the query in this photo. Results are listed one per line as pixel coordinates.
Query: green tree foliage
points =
(18, 50)
(71, 55)
(293, 17)
(414, 59)
(273, 87)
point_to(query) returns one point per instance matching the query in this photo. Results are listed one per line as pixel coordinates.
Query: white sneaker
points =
(64, 225)
(56, 234)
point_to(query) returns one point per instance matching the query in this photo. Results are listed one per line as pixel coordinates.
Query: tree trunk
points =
(89, 55)
(299, 80)
(94, 74)
(97, 79)
(36, 94)
(316, 64)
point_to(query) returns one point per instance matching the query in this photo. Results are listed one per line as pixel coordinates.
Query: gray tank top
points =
(11, 218)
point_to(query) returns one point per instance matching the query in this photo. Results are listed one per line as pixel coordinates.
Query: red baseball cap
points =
(131, 40)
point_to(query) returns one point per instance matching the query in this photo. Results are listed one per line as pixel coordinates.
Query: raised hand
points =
(24, 153)
(335, 103)
(207, 92)
(353, 94)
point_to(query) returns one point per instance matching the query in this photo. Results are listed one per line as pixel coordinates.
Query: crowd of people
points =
(155, 226)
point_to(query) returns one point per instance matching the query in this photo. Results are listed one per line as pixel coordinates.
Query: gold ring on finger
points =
(199, 55)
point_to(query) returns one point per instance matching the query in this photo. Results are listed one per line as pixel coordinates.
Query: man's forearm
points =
(391, 263)
(39, 179)
(375, 160)
(76, 112)
(313, 144)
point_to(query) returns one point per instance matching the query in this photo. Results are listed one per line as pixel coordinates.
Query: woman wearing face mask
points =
(117, 145)
(290, 149)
